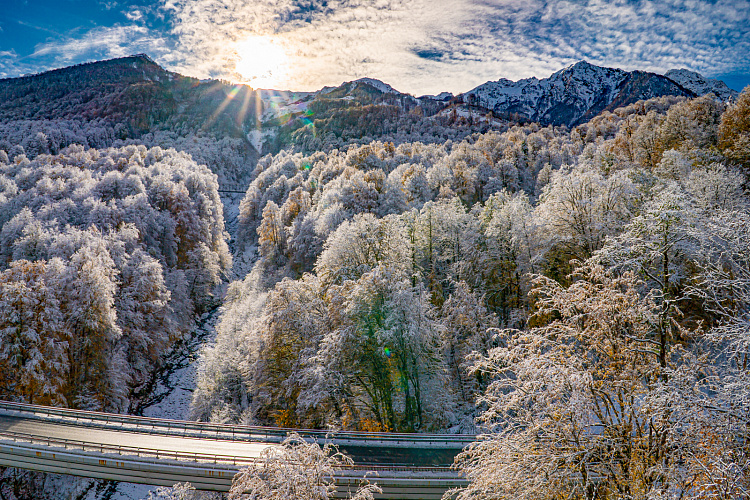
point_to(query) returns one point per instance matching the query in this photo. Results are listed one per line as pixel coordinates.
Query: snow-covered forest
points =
(578, 296)
(107, 255)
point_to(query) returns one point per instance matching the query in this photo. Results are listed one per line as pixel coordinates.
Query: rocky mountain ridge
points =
(697, 83)
(572, 95)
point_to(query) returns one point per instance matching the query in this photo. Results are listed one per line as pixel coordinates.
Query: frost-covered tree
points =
(296, 316)
(358, 246)
(271, 233)
(89, 299)
(659, 245)
(580, 207)
(137, 239)
(501, 250)
(443, 234)
(381, 351)
(296, 469)
(734, 130)
(565, 412)
(466, 323)
(143, 313)
(704, 401)
(228, 378)
(694, 122)
(34, 337)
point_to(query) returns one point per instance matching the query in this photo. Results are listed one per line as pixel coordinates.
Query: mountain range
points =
(135, 95)
(579, 92)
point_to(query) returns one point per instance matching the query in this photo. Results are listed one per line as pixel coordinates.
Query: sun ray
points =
(245, 105)
(227, 100)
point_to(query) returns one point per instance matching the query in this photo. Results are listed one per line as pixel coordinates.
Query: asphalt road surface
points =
(361, 454)
(42, 428)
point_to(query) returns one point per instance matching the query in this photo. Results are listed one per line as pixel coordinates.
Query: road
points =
(163, 452)
(123, 438)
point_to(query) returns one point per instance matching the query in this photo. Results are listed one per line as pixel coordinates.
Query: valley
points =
(557, 267)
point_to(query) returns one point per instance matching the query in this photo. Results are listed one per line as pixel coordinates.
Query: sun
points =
(262, 61)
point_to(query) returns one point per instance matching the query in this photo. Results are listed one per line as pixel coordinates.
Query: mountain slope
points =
(133, 92)
(572, 95)
(133, 96)
(697, 83)
(360, 111)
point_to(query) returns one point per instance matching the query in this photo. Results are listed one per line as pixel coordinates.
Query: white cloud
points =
(466, 41)
(105, 42)
(428, 46)
(134, 15)
(327, 42)
(8, 62)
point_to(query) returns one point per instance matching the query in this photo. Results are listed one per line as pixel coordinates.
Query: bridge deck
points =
(243, 450)
(162, 452)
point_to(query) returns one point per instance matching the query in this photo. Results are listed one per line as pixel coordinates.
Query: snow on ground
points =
(442, 96)
(182, 381)
(383, 87)
(242, 262)
(130, 491)
(256, 139)
(231, 203)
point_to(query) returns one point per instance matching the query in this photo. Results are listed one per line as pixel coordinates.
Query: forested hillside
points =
(131, 100)
(106, 257)
(133, 95)
(364, 110)
(579, 291)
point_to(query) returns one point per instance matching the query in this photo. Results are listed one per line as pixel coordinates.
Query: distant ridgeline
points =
(133, 94)
(579, 92)
(133, 99)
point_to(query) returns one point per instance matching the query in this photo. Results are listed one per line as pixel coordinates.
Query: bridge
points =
(233, 188)
(163, 452)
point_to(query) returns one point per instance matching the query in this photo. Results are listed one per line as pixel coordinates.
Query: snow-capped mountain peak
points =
(442, 96)
(572, 95)
(377, 84)
(700, 85)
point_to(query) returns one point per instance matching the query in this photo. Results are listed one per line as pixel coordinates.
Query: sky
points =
(417, 46)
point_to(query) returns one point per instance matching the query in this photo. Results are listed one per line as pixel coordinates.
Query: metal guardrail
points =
(136, 451)
(131, 469)
(239, 432)
(208, 471)
(204, 476)
(206, 458)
